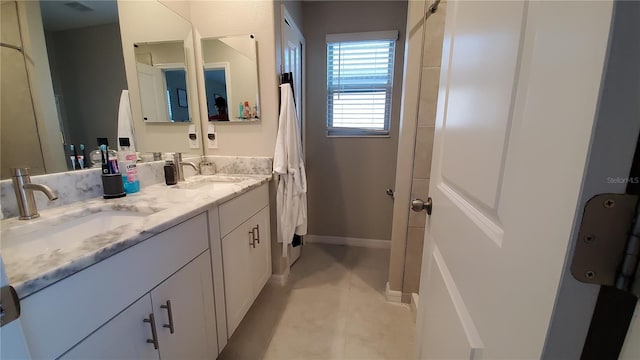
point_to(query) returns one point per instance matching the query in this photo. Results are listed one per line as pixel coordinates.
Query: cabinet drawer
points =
(59, 316)
(236, 211)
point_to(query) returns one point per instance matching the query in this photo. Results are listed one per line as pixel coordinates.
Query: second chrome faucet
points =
(177, 160)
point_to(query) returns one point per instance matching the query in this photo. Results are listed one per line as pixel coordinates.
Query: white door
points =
(292, 53)
(518, 93)
(152, 97)
(185, 318)
(123, 337)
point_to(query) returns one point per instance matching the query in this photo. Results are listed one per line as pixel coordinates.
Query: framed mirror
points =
(230, 76)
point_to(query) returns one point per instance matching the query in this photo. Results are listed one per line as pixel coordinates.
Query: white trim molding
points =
(280, 279)
(393, 296)
(348, 241)
(415, 302)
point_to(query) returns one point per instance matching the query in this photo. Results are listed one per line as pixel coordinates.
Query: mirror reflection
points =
(162, 78)
(63, 79)
(231, 78)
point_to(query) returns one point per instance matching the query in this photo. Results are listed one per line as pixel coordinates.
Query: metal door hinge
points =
(9, 305)
(608, 246)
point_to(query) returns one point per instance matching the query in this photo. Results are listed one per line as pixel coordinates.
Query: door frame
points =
(174, 66)
(410, 102)
(226, 66)
(287, 20)
(576, 329)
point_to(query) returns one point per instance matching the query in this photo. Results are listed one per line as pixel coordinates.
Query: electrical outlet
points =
(193, 138)
(212, 137)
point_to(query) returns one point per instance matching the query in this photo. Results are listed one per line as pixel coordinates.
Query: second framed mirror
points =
(230, 73)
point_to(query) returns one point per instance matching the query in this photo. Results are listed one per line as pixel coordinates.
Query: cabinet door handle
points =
(253, 238)
(154, 336)
(258, 231)
(170, 313)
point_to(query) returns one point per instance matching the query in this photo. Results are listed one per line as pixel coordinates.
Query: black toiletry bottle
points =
(170, 173)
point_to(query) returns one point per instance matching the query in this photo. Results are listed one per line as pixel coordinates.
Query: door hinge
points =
(608, 245)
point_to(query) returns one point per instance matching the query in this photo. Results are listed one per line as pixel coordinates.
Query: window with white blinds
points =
(360, 83)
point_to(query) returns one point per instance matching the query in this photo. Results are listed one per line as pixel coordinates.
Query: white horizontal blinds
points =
(359, 83)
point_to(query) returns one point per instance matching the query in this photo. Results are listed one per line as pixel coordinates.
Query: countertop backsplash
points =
(242, 164)
(82, 185)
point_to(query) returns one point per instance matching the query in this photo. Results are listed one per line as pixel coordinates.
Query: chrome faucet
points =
(177, 160)
(24, 193)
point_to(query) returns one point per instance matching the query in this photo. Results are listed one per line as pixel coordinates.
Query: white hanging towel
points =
(125, 125)
(288, 162)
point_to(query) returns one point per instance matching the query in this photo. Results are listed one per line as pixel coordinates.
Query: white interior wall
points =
(242, 18)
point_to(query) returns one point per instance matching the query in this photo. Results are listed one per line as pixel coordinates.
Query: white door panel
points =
(481, 82)
(455, 339)
(519, 88)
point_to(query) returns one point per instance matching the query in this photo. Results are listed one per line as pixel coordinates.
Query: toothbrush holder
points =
(112, 186)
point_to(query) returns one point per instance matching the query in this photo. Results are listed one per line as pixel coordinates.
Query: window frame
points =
(392, 36)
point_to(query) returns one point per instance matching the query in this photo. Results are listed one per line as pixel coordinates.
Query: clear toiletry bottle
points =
(128, 166)
(246, 112)
(96, 155)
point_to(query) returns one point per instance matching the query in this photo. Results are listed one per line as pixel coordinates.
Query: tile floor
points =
(332, 308)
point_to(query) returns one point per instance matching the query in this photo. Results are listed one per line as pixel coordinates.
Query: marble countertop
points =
(162, 207)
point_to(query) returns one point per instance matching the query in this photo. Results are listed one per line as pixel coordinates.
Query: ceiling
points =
(60, 15)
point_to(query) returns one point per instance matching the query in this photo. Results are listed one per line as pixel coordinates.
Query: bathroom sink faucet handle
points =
(24, 189)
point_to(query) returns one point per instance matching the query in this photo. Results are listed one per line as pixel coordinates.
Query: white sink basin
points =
(46, 234)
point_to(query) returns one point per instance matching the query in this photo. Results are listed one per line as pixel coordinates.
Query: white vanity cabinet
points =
(99, 312)
(246, 251)
(174, 321)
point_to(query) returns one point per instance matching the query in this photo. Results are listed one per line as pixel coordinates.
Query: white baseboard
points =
(415, 298)
(280, 279)
(348, 241)
(393, 295)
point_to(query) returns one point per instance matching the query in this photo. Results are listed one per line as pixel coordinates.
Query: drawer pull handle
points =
(170, 313)
(253, 238)
(152, 322)
(258, 231)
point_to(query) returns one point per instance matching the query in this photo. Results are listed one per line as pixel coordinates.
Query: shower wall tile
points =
(423, 152)
(413, 260)
(428, 96)
(432, 54)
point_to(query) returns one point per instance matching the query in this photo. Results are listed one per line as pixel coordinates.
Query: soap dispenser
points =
(170, 171)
